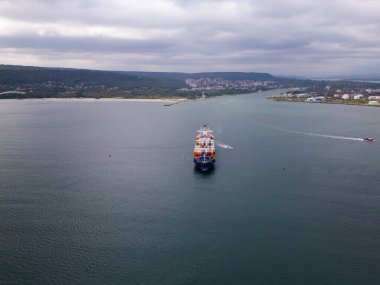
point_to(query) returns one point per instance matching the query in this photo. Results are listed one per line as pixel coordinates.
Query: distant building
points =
(318, 99)
(346, 96)
(311, 100)
(303, 95)
(373, 97)
(373, 103)
(358, 96)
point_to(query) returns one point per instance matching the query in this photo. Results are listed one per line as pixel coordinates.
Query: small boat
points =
(369, 139)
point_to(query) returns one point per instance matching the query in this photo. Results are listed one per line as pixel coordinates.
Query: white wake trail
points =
(311, 134)
(226, 146)
(328, 136)
(223, 145)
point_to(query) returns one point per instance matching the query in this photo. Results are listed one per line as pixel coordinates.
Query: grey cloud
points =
(88, 44)
(192, 35)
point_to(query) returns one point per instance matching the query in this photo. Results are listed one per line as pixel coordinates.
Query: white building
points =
(358, 96)
(346, 96)
(373, 103)
(318, 99)
(303, 95)
(311, 100)
(373, 97)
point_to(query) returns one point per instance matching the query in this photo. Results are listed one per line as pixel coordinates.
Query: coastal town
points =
(21, 82)
(193, 89)
(207, 83)
(330, 95)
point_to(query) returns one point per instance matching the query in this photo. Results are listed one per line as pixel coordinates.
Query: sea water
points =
(106, 192)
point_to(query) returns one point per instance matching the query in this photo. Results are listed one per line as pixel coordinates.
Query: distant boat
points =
(204, 149)
(369, 139)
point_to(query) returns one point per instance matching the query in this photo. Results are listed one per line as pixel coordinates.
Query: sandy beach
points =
(117, 99)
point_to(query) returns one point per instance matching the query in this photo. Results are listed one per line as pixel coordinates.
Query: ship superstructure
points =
(204, 149)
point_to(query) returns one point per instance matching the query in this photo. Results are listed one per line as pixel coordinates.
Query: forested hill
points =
(42, 82)
(14, 75)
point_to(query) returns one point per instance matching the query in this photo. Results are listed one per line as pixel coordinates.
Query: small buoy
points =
(283, 168)
(109, 155)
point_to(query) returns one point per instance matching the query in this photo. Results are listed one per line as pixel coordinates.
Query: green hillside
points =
(42, 82)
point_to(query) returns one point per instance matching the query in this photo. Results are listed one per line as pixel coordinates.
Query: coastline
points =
(334, 101)
(116, 99)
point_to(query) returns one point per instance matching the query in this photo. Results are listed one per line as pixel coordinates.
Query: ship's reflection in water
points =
(199, 172)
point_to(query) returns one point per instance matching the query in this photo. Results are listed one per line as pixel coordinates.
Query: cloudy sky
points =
(292, 37)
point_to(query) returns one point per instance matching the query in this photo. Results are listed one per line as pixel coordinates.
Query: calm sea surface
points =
(106, 192)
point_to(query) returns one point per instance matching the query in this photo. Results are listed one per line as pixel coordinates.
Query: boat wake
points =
(219, 143)
(226, 146)
(312, 134)
(328, 136)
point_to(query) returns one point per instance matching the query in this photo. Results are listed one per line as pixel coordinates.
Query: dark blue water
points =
(106, 192)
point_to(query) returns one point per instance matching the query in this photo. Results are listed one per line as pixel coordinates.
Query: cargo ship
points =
(204, 149)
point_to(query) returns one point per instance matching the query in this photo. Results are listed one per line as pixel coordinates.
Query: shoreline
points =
(116, 99)
(329, 102)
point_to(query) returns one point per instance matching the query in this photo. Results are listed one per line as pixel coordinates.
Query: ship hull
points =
(204, 165)
(204, 149)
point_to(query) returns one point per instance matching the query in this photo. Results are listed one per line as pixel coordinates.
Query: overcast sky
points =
(290, 37)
